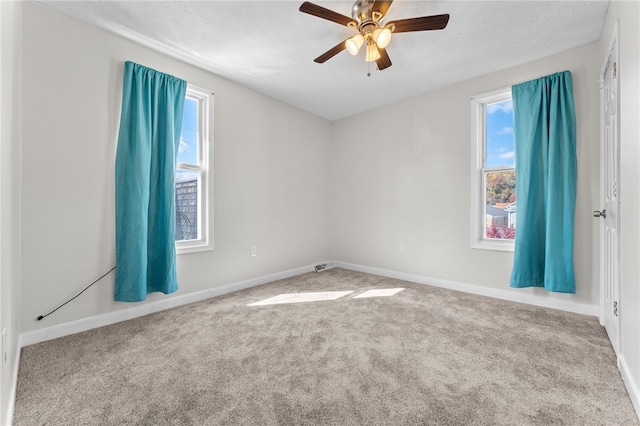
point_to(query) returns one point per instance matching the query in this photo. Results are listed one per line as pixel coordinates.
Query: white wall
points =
(270, 170)
(402, 174)
(10, 19)
(628, 14)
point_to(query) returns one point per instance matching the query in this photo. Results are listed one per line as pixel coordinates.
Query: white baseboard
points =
(61, 330)
(505, 294)
(85, 324)
(630, 384)
(14, 386)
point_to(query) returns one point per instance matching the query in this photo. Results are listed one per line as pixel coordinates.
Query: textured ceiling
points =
(269, 46)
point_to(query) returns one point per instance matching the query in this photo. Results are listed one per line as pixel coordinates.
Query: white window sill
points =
(497, 245)
(184, 247)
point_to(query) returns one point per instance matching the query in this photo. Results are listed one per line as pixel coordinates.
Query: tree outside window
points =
(499, 171)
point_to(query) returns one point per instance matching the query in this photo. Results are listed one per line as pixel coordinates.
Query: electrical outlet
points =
(254, 251)
(403, 247)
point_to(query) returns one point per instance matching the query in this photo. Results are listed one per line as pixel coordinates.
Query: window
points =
(493, 175)
(192, 175)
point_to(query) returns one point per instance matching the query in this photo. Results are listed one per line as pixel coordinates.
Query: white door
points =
(609, 173)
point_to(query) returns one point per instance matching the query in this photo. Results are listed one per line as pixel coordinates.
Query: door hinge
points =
(615, 69)
(615, 308)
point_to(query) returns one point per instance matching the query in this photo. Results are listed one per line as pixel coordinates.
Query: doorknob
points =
(598, 213)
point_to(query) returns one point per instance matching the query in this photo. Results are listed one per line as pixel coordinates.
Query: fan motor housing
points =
(361, 11)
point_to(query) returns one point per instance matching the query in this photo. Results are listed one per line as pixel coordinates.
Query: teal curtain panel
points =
(148, 139)
(546, 169)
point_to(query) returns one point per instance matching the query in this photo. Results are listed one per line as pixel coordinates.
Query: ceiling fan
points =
(373, 33)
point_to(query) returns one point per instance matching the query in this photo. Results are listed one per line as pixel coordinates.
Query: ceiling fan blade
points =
(383, 62)
(321, 12)
(423, 23)
(331, 52)
(381, 6)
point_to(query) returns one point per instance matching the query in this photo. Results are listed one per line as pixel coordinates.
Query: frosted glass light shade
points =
(354, 44)
(372, 52)
(382, 37)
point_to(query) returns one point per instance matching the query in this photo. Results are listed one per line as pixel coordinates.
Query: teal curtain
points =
(545, 139)
(148, 139)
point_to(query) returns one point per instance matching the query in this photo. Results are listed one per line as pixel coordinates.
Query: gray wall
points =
(269, 166)
(408, 180)
(10, 35)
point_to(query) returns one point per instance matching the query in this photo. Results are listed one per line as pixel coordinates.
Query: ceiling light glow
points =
(354, 44)
(382, 37)
(372, 52)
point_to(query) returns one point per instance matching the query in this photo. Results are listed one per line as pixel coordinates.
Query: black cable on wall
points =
(85, 289)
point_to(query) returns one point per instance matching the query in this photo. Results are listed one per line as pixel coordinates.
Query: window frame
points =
(479, 170)
(204, 242)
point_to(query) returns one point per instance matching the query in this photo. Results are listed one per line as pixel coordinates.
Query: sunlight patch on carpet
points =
(317, 296)
(320, 296)
(382, 292)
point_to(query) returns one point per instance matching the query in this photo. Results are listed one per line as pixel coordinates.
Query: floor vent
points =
(323, 267)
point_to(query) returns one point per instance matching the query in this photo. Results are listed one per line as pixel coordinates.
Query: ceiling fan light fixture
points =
(372, 52)
(367, 18)
(354, 43)
(382, 37)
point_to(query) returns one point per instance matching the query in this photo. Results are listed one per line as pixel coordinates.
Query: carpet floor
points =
(421, 356)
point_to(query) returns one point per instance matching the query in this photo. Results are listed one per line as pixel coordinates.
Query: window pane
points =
(500, 148)
(500, 209)
(186, 205)
(188, 149)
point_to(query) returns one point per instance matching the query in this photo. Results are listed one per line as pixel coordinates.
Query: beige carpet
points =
(424, 356)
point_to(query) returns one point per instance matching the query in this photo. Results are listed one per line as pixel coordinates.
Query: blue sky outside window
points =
(188, 149)
(500, 145)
